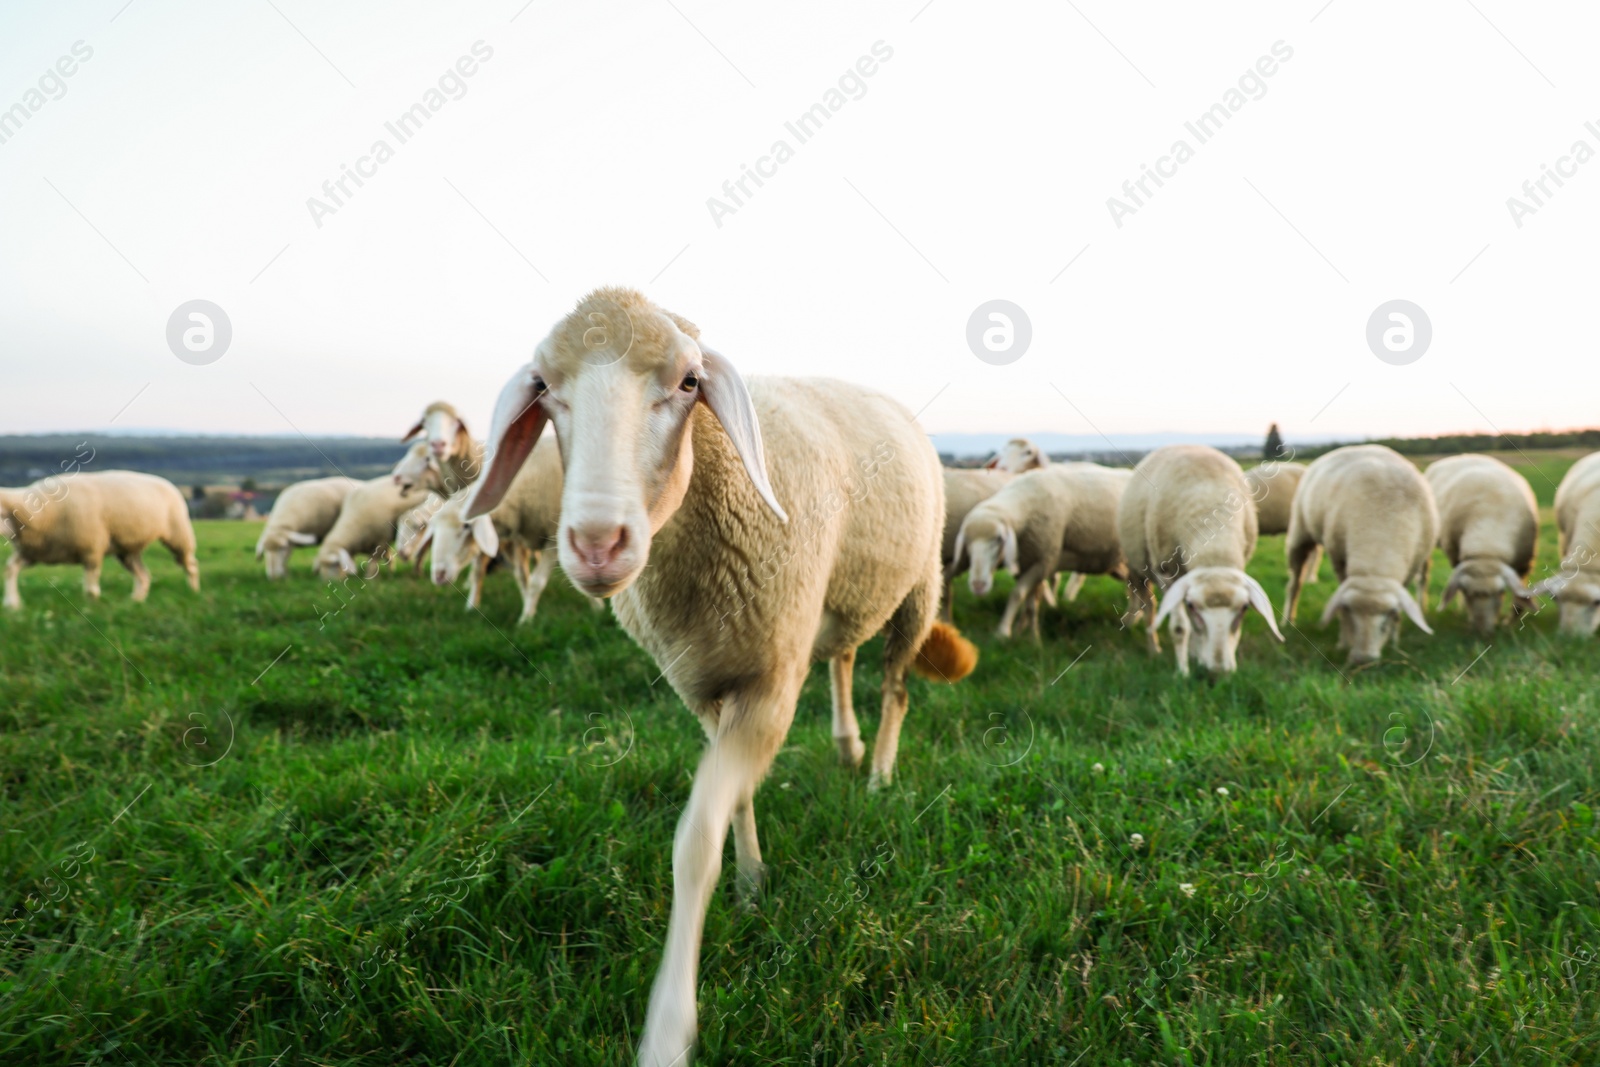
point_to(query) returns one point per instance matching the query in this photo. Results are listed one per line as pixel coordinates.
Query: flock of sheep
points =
(744, 530)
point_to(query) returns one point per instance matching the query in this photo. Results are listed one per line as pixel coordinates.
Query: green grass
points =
(410, 834)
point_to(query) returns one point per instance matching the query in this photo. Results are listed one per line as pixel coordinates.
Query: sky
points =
(968, 153)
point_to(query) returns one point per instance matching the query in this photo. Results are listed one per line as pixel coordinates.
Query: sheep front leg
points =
(1019, 595)
(14, 565)
(134, 562)
(750, 730)
(480, 567)
(846, 731)
(91, 577)
(1300, 553)
(536, 583)
(747, 849)
(1074, 586)
(1142, 605)
(1180, 642)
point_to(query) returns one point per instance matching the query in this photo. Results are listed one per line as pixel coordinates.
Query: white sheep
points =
(456, 458)
(1373, 512)
(302, 515)
(664, 449)
(1489, 530)
(84, 517)
(1577, 587)
(367, 524)
(1186, 524)
(1019, 456)
(1272, 487)
(1058, 518)
(413, 531)
(964, 489)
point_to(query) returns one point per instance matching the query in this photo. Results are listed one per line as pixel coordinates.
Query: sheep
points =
(457, 458)
(413, 533)
(1061, 517)
(79, 519)
(1272, 487)
(1187, 525)
(1577, 588)
(367, 524)
(302, 515)
(1373, 512)
(964, 489)
(1489, 530)
(663, 446)
(1019, 456)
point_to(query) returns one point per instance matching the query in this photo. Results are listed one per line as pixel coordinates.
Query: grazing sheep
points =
(457, 458)
(1019, 456)
(82, 518)
(1186, 524)
(302, 515)
(1489, 530)
(964, 489)
(459, 545)
(367, 524)
(1059, 518)
(664, 450)
(413, 533)
(1373, 512)
(1272, 486)
(1577, 588)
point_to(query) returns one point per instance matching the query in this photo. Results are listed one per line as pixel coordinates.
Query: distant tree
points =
(197, 492)
(1274, 446)
(248, 485)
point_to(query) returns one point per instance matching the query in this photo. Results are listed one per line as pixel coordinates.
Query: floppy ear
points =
(347, 563)
(1514, 583)
(518, 421)
(412, 432)
(725, 394)
(487, 538)
(297, 538)
(961, 545)
(1333, 605)
(1008, 548)
(420, 543)
(1453, 586)
(1262, 604)
(1171, 598)
(1414, 610)
(992, 464)
(1549, 587)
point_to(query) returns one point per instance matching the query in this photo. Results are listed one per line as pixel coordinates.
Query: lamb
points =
(302, 515)
(1187, 525)
(456, 457)
(1374, 513)
(1272, 487)
(1489, 530)
(81, 518)
(664, 446)
(366, 524)
(1061, 517)
(1577, 588)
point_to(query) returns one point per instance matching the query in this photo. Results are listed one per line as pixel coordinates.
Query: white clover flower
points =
(1137, 841)
(1098, 768)
(1186, 888)
(1222, 790)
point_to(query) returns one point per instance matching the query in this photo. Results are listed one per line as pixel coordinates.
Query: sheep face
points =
(620, 380)
(1579, 600)
(457, 544)
(417, 467)
(1214, 603)
(1483, 584)
(991, 545)
(1019, 455)
(441, 429)
(1369, 611)
(277, 560)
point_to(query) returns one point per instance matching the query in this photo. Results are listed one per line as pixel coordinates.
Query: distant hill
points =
(199, 460)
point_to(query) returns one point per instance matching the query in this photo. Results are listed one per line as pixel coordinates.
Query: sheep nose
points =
(598, 544)
(438, 447)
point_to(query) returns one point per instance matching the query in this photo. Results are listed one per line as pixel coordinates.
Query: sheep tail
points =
(945, 656)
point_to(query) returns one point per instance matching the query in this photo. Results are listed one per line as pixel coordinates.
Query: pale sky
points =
(976, 164)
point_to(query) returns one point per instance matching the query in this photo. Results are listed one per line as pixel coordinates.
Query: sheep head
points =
(1019, 455)
(458, 542)
(1578, 595)
(444, 433)
(1369, 610)
(418, 467)
(620, 378)
(1214, 603)
(1483, 584)
(991, 544)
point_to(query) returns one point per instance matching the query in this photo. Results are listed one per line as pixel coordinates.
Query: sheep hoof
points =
(850, 751)
(751, 881)
(879, 781)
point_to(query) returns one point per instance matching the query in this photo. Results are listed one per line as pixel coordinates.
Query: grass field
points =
(243, 828)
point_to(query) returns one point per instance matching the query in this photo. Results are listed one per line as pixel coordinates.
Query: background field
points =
(249, 828)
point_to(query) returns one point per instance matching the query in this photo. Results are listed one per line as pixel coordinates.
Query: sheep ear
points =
(1262, 603)
(298, 538)
(1414, 611)
(992, 464)
(412, 432)
(1453, 586)
(1333, 605)
(347, 563)
(420, 543)
(518, 421)
(725, 394)
(1171, 598)
(961, 546)
(484, 533)
(1514, 584)
(1549, 587)
(1008, 547)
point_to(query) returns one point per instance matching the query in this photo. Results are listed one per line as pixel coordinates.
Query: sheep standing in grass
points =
(82, 518)
(1060, 518)
(302, 515)
(1577, 587)
(367, 524)
(1019, 456)
(1187, 525)
(964, 489)
(664, 449)
(1373, 512)
(1272, 487)
(456, 459)
(413, 531)
(1489, 530)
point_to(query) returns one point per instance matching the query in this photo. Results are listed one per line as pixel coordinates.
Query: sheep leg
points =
(1074, 585)
(1180, 643)
(536, 583)
(747, 850)
(480, 567)
(1422, 584)
(1300, 553)
(846, 731)
(134, 562)
(902, 637)
(946, 603)
(14, 565)
(1019, 594)
(91, 577)
(1313, 565)
(750, 729)
(1142, 605)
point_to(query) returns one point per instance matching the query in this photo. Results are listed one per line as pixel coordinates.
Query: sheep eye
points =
(690, 383)
(539, 388)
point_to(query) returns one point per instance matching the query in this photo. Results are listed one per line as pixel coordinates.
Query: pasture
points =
(267, 826)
